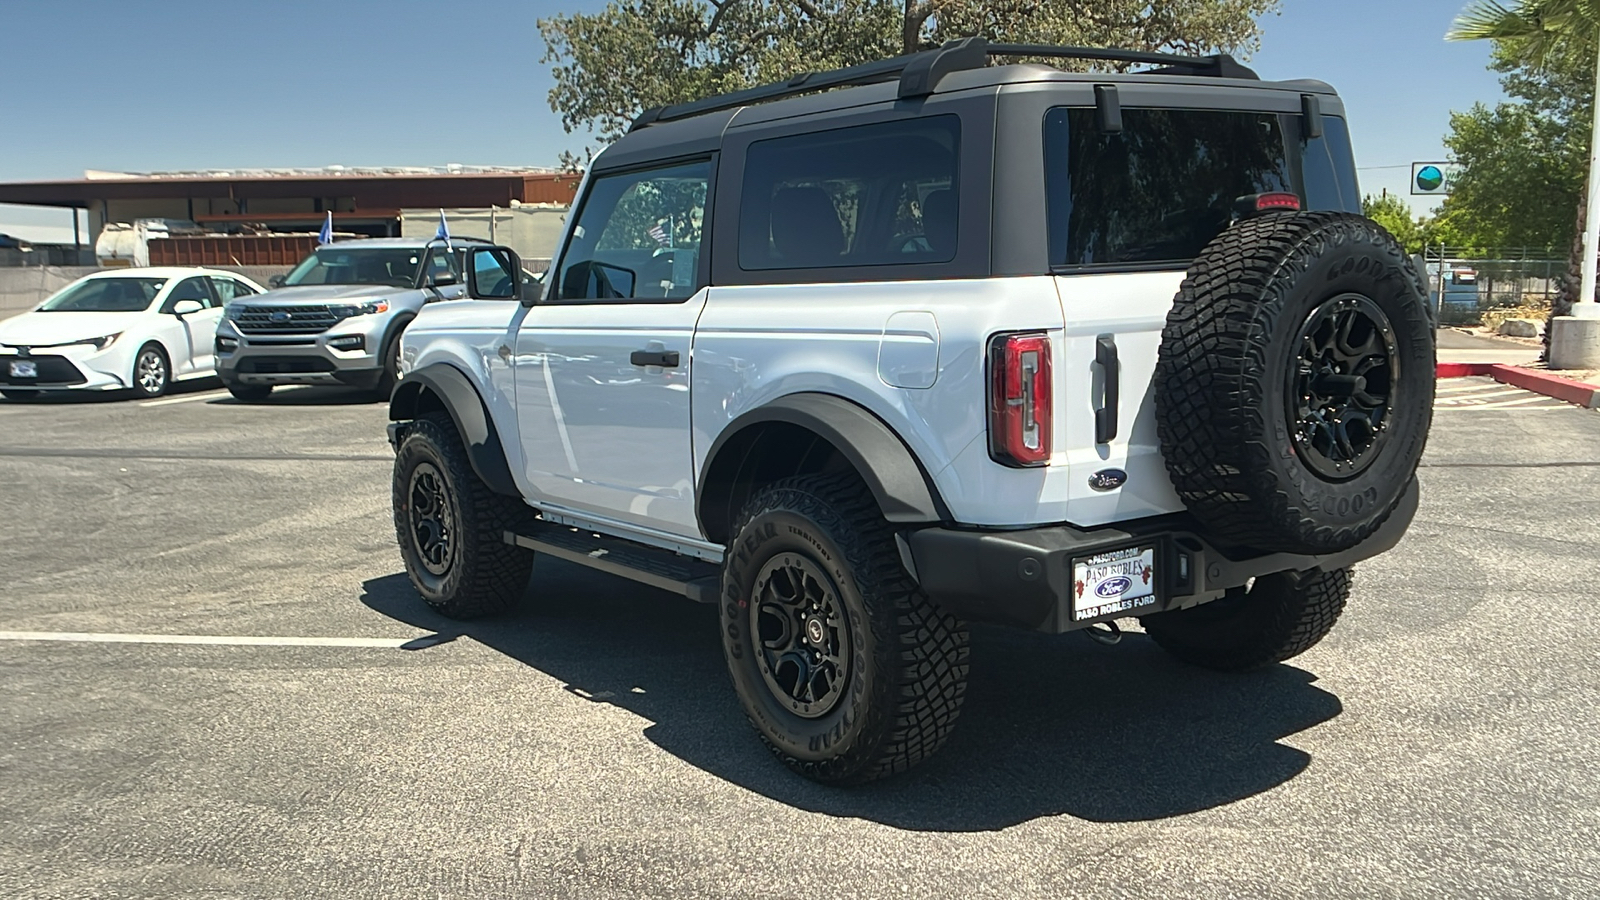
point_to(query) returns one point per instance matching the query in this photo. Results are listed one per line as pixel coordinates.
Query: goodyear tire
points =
(845, 668)
(450, 526)
(1294, 384)
(1277, 618)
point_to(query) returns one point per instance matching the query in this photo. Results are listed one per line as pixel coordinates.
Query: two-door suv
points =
(953, 342)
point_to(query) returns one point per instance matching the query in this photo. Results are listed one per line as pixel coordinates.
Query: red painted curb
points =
(1576, 392)
(1461, 370)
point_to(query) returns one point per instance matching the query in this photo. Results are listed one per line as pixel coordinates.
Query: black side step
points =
(693, 578)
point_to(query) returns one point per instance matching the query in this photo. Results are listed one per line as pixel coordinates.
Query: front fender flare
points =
(897, 480)
(459, 397)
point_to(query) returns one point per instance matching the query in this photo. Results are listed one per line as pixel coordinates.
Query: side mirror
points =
(275, 281)
(187, 307)
(443, 279)
(495, 273)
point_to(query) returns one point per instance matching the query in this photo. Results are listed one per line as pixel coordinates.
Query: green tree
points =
(1544, 47)
(1395, 215)
(635, 54)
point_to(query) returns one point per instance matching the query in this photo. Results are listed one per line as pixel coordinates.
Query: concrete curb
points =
(1578, 393)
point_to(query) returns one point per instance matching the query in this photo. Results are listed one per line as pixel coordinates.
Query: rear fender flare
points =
(904, 492)
(457, 395)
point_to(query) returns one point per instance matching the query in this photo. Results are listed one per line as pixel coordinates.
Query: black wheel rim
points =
(432, 524)
(802, 635)
(1341, 390)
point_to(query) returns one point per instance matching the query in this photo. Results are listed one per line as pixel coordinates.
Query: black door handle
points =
(667, 359)
(1105, 416)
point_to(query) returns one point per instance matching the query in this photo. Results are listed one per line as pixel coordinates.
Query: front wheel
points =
(1278, 617)
(847, 670)
(250, 393)
(152, 373)
(451, 527)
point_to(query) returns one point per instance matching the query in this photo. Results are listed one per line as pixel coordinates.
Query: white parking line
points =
(187, 398)
(1467, 389)
(223, 640)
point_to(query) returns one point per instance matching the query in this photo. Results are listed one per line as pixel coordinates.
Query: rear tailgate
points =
(1125, 312)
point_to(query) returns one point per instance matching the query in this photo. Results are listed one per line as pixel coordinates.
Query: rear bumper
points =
(1025, 578)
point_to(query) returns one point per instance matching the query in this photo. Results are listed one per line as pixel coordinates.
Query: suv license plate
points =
(23, 369)
(1118, 581)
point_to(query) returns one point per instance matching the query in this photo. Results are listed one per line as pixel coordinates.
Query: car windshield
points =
(334, 265)
(106, 295)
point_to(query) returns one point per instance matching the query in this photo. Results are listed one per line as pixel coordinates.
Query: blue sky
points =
(188, 85)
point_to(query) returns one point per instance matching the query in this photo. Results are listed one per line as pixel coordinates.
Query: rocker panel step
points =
(693, 578)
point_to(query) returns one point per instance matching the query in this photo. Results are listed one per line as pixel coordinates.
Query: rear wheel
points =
(1276, 618)
(250, 393)
(848, 672)
(451, 526)
(152, 373)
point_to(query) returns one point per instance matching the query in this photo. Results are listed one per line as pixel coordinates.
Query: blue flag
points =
(443, 234)
(325, 236)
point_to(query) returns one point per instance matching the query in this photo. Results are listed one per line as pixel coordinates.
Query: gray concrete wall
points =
(530, 230)
(24, 287)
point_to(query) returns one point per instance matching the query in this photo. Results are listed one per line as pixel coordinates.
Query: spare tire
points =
(1294, 384)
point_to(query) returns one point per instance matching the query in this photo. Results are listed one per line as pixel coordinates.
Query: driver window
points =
(188, 289)
(638, 237)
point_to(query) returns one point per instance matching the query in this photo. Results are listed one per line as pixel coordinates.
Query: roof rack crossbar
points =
(920, 73)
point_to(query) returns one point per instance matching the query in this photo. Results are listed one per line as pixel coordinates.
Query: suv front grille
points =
(284, 319)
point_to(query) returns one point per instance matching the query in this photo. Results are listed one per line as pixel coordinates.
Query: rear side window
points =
(1158, 191)
(871, 195)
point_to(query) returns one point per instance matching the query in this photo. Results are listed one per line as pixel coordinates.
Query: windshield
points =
(332, 265)
(106, 295)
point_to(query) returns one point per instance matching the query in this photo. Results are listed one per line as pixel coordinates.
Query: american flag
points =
(660, 234)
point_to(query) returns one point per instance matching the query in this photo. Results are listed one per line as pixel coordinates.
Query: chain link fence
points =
(1464, 287)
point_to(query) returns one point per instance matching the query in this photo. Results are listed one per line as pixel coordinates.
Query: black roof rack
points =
(920, 73)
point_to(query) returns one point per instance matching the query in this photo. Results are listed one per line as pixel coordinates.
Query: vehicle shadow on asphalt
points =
(305, 396)
(1051, 724)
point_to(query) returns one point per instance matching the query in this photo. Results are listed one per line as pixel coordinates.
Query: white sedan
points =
(137, 330)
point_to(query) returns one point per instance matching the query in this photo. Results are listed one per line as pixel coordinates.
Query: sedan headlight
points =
(369, 308)
(101, 343)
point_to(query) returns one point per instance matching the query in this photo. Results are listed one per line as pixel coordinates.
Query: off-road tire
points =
(1224, 382)
(1281, 616)
(908, 665)
(484, 574)
(249, 393)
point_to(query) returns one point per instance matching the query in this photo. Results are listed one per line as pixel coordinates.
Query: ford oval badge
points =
(279, 316)
(1114, 587)
(1107, 479)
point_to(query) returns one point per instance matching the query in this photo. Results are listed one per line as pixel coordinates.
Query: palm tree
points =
(1535, 33)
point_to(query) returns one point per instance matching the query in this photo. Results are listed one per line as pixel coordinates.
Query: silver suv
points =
(337, 318)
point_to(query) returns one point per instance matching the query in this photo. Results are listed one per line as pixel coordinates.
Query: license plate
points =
(24, 369)
(1120, 581)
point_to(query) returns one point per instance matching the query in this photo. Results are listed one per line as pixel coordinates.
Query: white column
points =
(1586, 307)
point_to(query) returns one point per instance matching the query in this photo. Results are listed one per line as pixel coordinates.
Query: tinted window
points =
(638, 236)
(196, 288)
(872, 195)
(1162, 188)
(337, 265)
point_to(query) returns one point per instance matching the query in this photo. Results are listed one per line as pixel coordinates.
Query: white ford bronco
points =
(954, 342)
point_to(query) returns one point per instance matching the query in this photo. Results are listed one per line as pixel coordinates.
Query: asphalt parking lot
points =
(1441, 743)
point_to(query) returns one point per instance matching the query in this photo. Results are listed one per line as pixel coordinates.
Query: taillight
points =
(1019, 399)
(1269, 202)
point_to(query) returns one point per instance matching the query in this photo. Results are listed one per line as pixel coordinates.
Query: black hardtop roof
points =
(697, 127)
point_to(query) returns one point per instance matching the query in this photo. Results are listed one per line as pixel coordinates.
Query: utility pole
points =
(1575, 339)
